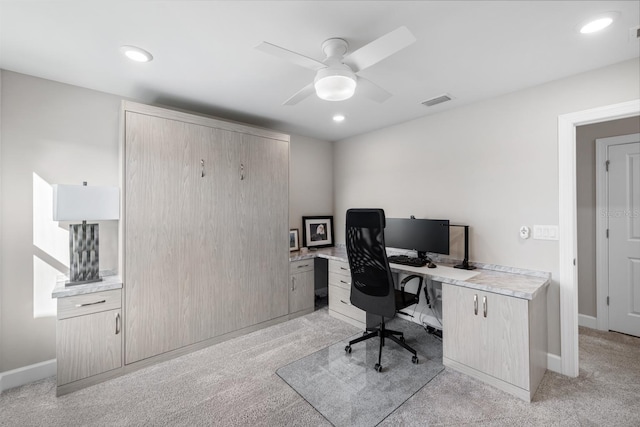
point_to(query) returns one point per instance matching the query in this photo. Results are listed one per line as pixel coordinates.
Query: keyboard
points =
(407, 260)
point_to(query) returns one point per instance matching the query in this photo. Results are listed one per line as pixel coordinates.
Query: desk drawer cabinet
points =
(88, 335)
(340, 295)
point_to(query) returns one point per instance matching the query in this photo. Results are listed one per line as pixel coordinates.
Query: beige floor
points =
(234, 383)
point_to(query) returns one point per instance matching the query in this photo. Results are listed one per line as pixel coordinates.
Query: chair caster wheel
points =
(364, 333)
(378, 367)
(348, 349)
(401, 339)
(414, 359)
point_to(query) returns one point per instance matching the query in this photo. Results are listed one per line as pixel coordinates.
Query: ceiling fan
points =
(337, 76)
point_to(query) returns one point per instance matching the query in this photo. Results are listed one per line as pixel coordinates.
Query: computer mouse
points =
(431, 265)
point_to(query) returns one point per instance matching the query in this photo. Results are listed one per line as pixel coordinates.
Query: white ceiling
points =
(204, 56)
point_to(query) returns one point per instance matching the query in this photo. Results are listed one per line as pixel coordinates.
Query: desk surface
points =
(515, 282)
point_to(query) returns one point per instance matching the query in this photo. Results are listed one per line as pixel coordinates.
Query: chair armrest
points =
(405, 281)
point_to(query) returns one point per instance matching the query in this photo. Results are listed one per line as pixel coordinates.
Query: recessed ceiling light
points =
(599, 23)
(338, 118)
(135, 53)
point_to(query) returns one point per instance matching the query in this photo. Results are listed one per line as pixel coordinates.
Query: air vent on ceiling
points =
(437, 100)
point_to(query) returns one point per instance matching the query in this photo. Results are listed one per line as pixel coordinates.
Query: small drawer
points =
(340, 280)
(79, 305)
(301, 266)
(339, 301)
(339, 267)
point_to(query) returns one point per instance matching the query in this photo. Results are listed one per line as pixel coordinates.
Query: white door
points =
(623, 213)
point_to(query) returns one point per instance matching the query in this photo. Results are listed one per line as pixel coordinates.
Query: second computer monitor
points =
(421, 235)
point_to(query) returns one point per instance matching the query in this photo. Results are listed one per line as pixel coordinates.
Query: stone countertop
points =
(109, 282)
(510, 281)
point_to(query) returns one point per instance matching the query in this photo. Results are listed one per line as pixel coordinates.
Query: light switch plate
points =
(545, 232)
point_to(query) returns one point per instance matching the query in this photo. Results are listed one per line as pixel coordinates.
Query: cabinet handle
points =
(346, 283)
(342, 301)
(293, 283)
(91, 303)
(241, 172)
(484, 306)
(202, 167)
(475, 304)
(303, 266)
(117, 323)
(345, 269)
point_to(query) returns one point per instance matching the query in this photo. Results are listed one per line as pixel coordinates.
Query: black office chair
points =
(372, 287)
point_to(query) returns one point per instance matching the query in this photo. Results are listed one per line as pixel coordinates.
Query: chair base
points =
(382, 332)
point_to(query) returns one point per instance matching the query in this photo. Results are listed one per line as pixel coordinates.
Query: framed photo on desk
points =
(294, 242)
(317, 231)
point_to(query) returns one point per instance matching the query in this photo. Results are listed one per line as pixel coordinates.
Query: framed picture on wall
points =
(317, 231)
(294, 242)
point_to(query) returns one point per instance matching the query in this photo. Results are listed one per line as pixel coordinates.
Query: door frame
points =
(602, 247)
(567, 235)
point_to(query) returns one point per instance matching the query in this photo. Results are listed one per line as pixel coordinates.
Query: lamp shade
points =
(85, 203)
(335, 84)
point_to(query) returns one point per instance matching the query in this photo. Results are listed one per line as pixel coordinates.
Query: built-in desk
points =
(494, 318)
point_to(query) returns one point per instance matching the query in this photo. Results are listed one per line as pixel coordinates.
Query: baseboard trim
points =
(588, 321)
(27, 374)
(554, 363)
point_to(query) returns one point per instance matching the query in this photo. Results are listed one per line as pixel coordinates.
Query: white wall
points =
(51, 133)
(1, 239)
(492, 165)
(66, 134)
(586, 203)
(310, 180)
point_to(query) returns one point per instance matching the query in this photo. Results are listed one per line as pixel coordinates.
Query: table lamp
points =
(84, 203)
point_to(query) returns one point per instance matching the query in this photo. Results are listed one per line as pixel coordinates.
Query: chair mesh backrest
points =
(371, 280)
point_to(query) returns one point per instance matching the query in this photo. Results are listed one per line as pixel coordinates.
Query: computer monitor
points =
(421, 235)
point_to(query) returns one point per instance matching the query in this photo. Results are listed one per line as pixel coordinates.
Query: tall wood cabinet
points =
(205, 233)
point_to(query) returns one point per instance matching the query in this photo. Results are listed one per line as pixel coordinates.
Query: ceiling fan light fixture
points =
(335, 84)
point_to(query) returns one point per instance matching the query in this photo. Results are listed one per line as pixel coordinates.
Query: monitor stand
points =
(465, 262)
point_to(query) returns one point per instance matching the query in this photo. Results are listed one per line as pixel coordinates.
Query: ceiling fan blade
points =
(379, 49)
(290, 56)
(371, 90)
(301, 94)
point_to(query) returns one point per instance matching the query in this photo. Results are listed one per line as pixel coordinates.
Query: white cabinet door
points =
(88, 345)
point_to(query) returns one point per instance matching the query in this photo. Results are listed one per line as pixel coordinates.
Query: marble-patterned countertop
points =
(510, 281)
(109, 281)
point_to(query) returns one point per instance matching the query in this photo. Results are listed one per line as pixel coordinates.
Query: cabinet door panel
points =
(221, 254)
(505, 339)
(263, 270)
(88, 345)
(154, 181)
(461, 326)
(301, 291)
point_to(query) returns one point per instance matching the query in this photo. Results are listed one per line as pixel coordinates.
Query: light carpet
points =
(235, 384)
(347, 390)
